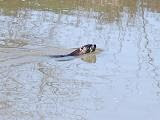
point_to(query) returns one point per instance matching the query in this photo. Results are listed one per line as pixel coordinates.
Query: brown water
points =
(121, 81)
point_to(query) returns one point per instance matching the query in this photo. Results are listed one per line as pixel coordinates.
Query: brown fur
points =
(83, 50)
(80, 51)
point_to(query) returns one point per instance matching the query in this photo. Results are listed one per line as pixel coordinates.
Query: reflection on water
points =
(89, 58)
(124, 81)
(12, 43)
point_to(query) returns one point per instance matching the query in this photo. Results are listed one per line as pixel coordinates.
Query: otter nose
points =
(93, 48)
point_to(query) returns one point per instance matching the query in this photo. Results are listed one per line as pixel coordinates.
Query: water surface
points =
(121, 81)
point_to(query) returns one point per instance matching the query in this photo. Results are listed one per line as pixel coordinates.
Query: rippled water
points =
(120, 81)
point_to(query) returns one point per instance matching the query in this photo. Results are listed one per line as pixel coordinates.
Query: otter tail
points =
(57, 56)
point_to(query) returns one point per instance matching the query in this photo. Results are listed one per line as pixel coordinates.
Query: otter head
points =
(87, 48)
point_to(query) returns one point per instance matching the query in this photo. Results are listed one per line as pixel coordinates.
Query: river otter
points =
(80, 51)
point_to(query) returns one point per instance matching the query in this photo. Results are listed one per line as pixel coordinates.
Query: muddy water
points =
(121, 81)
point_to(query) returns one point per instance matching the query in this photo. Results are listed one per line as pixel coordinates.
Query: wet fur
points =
(80, 51)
